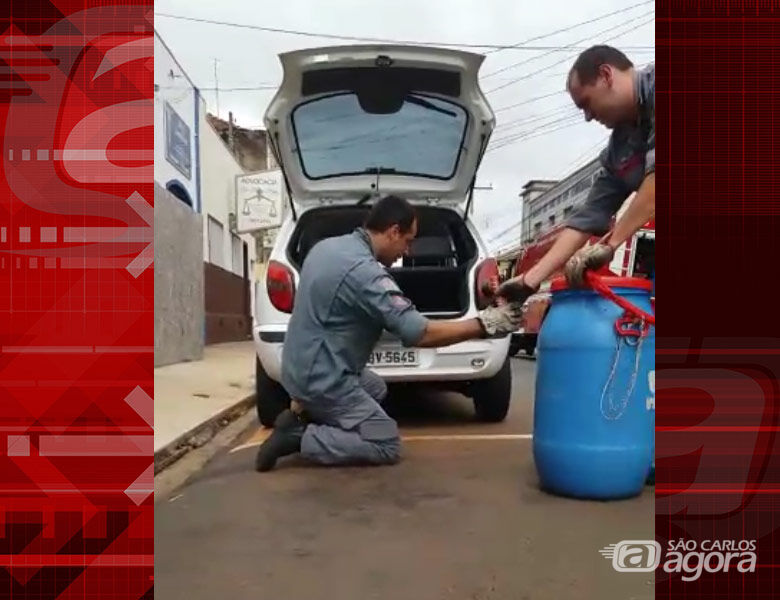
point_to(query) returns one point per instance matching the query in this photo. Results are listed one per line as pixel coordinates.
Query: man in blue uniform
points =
(606, 86)
(345, 300)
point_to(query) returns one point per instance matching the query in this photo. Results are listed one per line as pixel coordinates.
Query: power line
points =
(568, 47)
(510, 136)
(563, 74)
(529, 75)
(568, 125)
(529, 135)
(545, 128)
(275, 86)
(542, 97)
(334, 36)
(568, 58)
(569, 169)
(568, 108)
(566, 118)
(569, 28)
(529, 101)
(504, 232)
(575, 164)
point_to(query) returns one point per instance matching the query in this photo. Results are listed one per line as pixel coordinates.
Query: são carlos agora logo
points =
(683, 556)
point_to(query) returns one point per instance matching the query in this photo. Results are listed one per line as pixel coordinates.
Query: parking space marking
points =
(261, 434)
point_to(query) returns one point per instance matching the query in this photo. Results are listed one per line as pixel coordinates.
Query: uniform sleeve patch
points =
(400, 301)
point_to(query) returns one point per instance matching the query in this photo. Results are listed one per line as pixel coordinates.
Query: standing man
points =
(605, 86)
(345, 300)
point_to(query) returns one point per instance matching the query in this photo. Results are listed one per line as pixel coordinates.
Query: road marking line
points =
(258, 437)
(467, 437)
(262, 434)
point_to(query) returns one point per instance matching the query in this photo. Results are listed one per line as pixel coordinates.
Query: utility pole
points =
(216, 84)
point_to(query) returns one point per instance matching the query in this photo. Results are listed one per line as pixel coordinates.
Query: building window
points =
(567, 210)
(552, 220)
(216, 233)
(179, 191)
(537, 227)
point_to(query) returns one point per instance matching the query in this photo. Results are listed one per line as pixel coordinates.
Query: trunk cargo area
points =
(434, 275)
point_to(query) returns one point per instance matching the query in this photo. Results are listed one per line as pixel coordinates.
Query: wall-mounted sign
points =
(178, 144)
(259, 201)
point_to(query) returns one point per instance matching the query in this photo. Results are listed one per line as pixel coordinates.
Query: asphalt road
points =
(461, 517)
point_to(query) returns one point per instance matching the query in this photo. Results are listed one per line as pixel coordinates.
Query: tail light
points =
(280, 284)
(487, 273)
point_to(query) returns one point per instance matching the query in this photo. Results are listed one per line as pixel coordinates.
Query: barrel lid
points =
(559, 283)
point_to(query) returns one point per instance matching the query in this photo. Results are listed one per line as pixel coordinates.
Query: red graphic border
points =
(77, 300)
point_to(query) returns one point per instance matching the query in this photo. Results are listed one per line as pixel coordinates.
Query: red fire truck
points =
(634, 258)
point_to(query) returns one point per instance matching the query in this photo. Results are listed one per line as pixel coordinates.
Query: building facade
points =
(177, 119)
(178, 224)
(229, 258)
(212, 299)
(544, 210)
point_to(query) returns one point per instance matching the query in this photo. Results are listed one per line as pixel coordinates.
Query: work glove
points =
(515, 290)
(498, 321)
(591, 258)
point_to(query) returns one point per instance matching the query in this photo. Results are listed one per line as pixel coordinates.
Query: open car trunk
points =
(435, 273)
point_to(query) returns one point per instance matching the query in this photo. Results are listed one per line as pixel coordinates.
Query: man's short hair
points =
(588, 63)
(389, 211)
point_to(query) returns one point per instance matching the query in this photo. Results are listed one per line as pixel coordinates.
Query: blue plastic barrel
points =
(594, 411)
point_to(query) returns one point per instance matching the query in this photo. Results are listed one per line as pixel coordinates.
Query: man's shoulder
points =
(342, 256)
(647, 73)
(333, 242)
(333, 248)
(367, 268)
(646, 85)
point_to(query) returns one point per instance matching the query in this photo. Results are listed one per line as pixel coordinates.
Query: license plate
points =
(395, 358)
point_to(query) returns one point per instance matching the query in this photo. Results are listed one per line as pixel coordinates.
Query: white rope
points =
(614, 411)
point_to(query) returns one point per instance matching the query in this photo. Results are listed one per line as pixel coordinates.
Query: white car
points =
(351, 124)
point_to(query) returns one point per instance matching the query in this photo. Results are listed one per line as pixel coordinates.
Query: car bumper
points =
(466, 361)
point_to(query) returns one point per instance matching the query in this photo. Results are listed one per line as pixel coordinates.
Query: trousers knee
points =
(374, 385)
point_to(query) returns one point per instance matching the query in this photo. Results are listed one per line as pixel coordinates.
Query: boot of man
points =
(285, 440)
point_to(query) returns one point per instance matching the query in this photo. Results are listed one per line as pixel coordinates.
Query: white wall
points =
(218, 198)
(174, 87)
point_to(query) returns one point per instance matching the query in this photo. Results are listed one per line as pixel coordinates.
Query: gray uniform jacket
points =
(345, 300)
(627, 159)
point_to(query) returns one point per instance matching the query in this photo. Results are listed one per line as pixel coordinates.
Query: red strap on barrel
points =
(602, 288)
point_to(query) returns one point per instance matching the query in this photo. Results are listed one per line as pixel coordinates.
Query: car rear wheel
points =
(270, 397)
(491, 396)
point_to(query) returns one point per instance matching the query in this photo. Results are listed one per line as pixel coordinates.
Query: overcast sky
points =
(248, 58)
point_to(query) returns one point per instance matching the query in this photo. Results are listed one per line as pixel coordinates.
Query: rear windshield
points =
(336, 137)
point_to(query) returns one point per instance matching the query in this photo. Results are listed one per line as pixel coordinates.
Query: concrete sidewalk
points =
(189, 396)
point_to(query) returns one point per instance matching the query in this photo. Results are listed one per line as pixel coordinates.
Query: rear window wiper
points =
(419, 101)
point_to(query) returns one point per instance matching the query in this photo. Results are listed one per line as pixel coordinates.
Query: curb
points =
(200, 435)
(175, 478)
